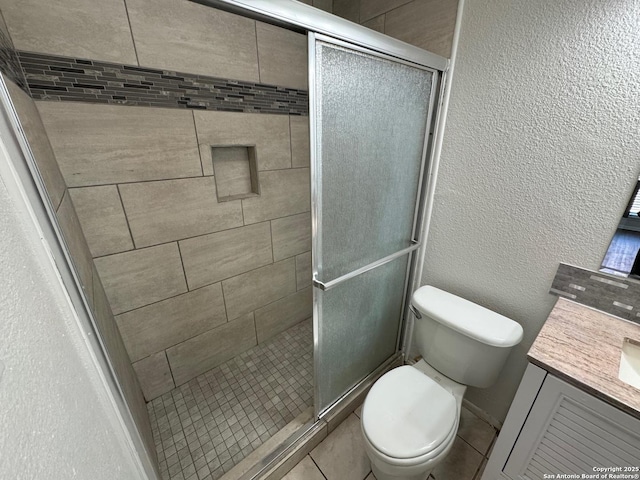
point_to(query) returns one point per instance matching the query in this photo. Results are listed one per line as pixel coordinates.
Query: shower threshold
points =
(202, 429)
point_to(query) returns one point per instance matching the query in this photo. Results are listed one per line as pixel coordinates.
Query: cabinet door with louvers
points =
(571, 432)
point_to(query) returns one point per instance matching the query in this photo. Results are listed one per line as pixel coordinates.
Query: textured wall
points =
(57, 421)
(539, 158)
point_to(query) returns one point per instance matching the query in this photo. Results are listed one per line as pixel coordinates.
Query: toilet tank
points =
(464, 341)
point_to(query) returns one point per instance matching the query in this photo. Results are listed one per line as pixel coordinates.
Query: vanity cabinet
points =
(555, 429)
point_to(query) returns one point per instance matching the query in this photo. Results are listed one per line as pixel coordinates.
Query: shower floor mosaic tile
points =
(206, 426)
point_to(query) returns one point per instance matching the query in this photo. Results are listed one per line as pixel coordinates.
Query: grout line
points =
(390, 10)
(169, 365)
(133, 42)
(126, 219)
(189, 238)
(56, 207)
(474, 448)
(273, 257)
(164, 299)
(189, 177)
(295, 269)
(255, 326)
(284, 169)
(64, 194)
(184, 272)
(133, 182)
(213, 283)
(195, 128)
(255, 26)
(317, 466)
(224, 301)
(290, 144)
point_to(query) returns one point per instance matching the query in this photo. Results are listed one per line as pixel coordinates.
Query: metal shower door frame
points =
(316, 205)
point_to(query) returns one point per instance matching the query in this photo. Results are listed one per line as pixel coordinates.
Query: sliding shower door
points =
(370, 117)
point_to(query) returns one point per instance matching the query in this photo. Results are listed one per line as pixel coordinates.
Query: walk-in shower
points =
(244, 245)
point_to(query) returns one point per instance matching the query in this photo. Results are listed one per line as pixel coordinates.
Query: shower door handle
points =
(324, 286)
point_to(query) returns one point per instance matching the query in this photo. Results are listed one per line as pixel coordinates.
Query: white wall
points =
(57, 421)
(540, 154)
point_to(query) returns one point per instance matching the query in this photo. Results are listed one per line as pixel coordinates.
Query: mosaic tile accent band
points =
(52, 77)
(615, 295)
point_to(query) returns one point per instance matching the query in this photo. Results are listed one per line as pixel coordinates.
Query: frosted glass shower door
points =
(369, 116)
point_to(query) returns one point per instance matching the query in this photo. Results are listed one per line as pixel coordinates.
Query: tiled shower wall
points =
(427, 24)
(192, 281)
(62, 206)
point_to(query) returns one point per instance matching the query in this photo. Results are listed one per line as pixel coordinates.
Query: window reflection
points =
(623, 255)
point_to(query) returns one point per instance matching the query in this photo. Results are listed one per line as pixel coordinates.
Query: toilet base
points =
(385, 476)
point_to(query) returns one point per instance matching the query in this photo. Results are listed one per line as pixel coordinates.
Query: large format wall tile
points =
(154, 375)
(140, 277)
(326, 5)
(260, 287)
(348, 9)
(74, 28)
(282, 56)
(39, 143)
(199, 354)
(78, 249)
(188, 37)
(102, 218)
(291, 235)
(121, 362)
(159, 212)
(376, 23)
(102, 144)
(149, 329)
(282, 193)
(303, 270)
(299, 141)
(211, 258)
(282, 314)
(373, 8)
(427, 24)
(269, 134)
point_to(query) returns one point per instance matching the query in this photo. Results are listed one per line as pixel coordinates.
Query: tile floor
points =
(341, 456)
(206, 426)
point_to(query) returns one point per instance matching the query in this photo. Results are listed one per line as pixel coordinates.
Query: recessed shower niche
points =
(235, 171)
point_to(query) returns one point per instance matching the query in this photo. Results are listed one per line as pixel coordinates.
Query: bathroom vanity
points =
(572, 414)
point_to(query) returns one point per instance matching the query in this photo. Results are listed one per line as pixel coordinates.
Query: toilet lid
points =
(407, 414)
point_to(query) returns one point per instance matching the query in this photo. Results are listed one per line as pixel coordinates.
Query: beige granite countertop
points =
(582, 346)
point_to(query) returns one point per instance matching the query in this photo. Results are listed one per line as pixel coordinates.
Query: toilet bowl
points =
(411, 414)
(409, 421)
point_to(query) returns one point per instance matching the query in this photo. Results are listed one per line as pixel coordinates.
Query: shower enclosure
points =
(373, 104)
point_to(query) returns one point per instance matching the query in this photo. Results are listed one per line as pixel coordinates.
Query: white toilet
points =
(410, 417)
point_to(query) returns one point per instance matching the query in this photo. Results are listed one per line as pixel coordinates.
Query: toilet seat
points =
(409, 418)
